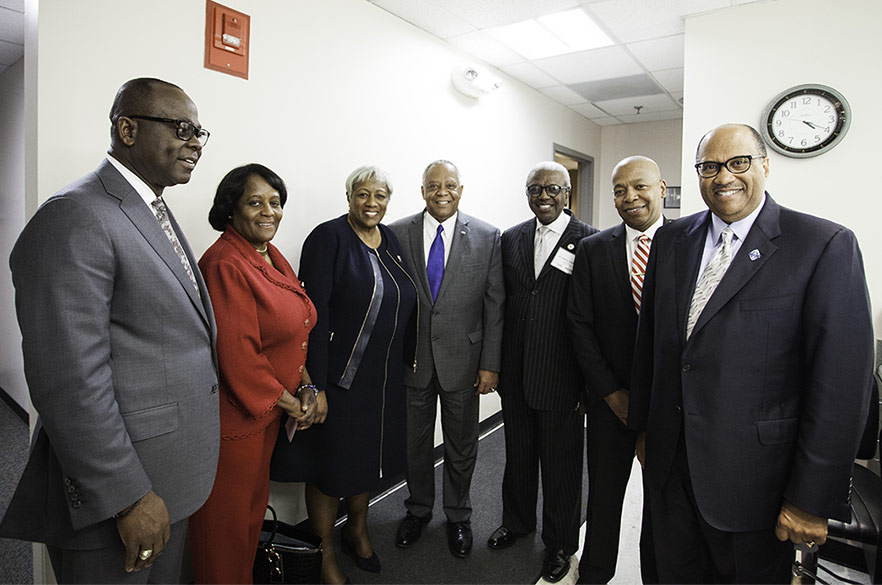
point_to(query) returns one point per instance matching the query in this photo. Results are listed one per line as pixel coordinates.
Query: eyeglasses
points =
(552, 190)
(183, 129)
(736, 165)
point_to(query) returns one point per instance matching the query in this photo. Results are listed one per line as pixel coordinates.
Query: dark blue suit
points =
(767, 398)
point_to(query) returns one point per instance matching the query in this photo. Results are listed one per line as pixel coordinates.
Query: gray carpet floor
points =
(16, 564)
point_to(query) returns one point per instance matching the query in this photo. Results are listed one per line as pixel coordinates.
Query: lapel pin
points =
(462, 232)
(754, 255)
(399, 257)
(570, 246)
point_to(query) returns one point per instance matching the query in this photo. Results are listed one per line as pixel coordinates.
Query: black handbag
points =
(286, 554)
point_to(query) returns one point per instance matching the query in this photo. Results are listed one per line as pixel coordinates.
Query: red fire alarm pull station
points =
(227, 39)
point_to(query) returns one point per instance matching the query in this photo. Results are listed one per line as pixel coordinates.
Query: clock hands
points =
(810, 125)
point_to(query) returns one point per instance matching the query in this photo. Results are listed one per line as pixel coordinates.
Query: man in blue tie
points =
(457, 266)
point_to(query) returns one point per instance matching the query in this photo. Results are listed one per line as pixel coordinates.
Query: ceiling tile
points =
(590, 111)
(531, 75)
(638, 20)
(564, 95)
(590, 65)
(618, 87)
(12, 26)
(651, 117)
(670, 79)
(426, 15)
(484, 47)
(664, 53)
(606, 121)
(10, 52)
(17, 5)
(650, 103)
(490, 13)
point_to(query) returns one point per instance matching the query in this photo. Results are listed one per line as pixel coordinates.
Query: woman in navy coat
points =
(354, 273)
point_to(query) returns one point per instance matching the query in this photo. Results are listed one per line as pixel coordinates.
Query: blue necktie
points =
(435, 263)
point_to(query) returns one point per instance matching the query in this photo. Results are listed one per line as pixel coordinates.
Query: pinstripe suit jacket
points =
(461, 331)
(537, 356)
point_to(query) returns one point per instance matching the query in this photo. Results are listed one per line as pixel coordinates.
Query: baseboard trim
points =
(15, 406)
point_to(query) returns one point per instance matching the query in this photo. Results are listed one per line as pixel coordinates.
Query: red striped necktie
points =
(638, 269)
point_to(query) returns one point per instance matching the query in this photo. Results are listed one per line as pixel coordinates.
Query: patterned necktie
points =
(435, 263)
(710, 278)
(638, 269)
(541, 254)
(161, 212)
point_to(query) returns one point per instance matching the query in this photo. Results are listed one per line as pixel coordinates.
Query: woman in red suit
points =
(263, 322)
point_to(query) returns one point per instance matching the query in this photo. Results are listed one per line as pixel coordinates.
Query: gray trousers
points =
(459, 425)
(107, 565)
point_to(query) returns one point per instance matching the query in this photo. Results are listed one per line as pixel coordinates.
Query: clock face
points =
(806, 120)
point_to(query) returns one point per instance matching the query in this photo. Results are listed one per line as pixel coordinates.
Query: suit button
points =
(214, 389)
(66, 481)
(434, 338)
(70, 489)
(300, 369)
(436, 313)
(303, 345)
(687, 367)
(75, 504)
(534, 292)
(306, 323)
(679, 409)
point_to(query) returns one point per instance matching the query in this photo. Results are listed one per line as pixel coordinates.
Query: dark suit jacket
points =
(120, 364)
(461, 331)
(772, 387)
(537, 355)
(601, 312)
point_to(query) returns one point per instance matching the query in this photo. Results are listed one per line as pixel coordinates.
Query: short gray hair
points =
(550, 165)
(439, 162)
(366, 173)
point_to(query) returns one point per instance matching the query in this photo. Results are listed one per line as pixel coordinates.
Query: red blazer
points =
(263, 322)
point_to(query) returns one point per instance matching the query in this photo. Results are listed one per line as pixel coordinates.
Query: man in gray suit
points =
(118, 338)
(457, 263)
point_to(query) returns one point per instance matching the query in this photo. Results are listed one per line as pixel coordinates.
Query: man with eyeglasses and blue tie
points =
(456, 262)
(540, 385)
(752, 374)
(118, 343)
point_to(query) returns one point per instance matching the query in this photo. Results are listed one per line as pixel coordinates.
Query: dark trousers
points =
(107, 565)
(459, 425)
(552, 441)
(689, 550)
(610, 455)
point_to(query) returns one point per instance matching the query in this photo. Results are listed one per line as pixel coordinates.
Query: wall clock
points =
(806, 120)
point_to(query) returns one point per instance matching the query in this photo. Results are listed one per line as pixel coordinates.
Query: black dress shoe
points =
(371, 564)
(502, 538)
(556, 565)
(459, 538)
(410, 530)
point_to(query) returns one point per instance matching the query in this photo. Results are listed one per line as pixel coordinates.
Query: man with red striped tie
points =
(603, 306)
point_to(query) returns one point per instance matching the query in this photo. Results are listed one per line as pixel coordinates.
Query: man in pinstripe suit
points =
(540, 382)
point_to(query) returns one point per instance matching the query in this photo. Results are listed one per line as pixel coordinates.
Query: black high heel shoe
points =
(371, 565)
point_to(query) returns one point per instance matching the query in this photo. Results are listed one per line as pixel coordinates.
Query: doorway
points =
(581, 169)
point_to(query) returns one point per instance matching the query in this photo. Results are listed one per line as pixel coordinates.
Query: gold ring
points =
(810, 544)
(145, 554)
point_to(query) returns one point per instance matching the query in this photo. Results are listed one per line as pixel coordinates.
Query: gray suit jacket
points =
(119, 359)
(461, 332)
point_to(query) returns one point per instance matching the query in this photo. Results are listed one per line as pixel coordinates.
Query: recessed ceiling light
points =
(553, 34)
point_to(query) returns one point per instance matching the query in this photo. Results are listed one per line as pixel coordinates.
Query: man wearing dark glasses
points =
(540, 384)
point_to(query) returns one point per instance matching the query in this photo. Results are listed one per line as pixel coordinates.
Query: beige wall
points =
(738, 60)
(660, 141)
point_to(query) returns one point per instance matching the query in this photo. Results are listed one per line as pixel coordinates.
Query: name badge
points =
(564, 261)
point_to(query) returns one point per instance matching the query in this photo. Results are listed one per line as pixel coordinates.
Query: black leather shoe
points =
(502, 538)
(410, 530)
(556, 565)
(459, 538)
(371, 564)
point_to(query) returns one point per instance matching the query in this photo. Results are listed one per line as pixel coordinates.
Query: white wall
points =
(738, 60)
(660, 141)
(12, 219)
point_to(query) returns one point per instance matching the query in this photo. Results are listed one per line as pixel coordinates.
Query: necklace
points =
(262, 252)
